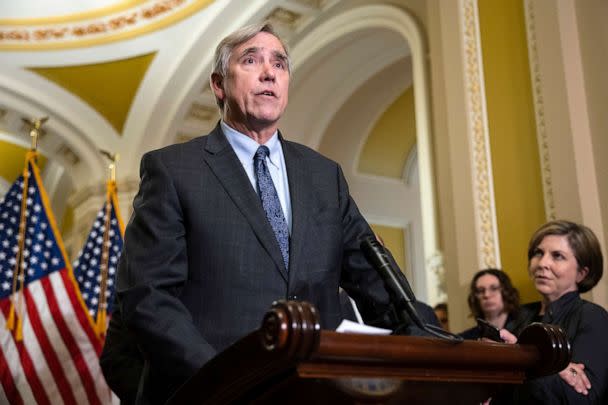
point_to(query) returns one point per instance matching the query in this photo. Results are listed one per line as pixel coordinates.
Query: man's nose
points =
(267, 72)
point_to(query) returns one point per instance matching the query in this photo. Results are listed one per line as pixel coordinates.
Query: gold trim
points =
(539, 110)
(478, 134)
(94, 28)
(74, 17)
(114, 198)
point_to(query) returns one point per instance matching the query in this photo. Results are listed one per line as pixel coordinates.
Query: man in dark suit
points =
(206, 253)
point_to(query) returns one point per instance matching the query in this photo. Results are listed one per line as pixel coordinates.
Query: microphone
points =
(396, 284)
(399, 289)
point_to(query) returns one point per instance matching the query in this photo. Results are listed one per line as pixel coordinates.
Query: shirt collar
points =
(557, 309)
(245, 147)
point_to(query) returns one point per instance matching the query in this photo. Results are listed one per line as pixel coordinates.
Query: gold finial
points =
(113, 157)
(35, 127)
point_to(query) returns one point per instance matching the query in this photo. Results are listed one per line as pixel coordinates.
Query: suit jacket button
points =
(292, 298)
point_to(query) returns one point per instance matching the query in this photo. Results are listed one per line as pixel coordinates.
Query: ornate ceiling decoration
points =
(123, 21)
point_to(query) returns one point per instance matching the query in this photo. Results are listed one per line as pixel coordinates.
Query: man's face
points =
(256, 88)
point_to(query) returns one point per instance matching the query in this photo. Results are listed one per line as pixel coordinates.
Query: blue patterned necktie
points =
(270, 202)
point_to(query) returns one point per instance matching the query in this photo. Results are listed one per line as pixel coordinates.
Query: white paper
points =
(352, 327)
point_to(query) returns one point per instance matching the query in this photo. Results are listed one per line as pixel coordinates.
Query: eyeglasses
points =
(493, 289)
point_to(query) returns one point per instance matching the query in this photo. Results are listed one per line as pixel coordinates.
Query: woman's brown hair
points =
(584, 245)
(510, 295)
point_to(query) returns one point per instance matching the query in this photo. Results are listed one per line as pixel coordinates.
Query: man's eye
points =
(279, 65)
(249, 60)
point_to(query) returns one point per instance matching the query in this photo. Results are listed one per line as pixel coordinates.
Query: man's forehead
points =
(260, 42)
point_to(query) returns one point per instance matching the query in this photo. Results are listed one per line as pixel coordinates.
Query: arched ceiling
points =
(107, 87)
(130, 76)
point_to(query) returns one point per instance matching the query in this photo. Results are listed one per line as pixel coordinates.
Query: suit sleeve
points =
(358, 278)
(152, 270)
(120, 360)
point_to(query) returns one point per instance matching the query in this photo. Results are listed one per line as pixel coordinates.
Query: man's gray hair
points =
(223, 52)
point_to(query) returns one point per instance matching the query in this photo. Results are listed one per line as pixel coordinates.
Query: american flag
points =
(49, 349)
(95, 268)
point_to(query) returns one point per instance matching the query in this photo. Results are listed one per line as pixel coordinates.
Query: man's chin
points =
(265, 120)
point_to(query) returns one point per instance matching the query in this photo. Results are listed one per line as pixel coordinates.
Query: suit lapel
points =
(224, 163)
(302, 204)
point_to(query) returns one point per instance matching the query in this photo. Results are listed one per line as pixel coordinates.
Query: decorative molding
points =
(477, 123)
(284, 17)
(118, 24)
(63, 13)
(315, 4)
(200, 112)
(99, 191)
(539, 109)
(68, 154)
(435, 264)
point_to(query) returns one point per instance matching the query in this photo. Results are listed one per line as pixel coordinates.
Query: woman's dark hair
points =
(510, 295)
(584, 245)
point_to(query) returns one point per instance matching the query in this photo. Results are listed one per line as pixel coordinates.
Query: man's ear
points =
(217, 85)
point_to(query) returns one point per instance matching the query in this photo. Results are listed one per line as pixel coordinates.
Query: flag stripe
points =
(48, 351)
(41, 367)
(81, 332)
(68, 338)
(71, 373)
(15, 376)
(81, 315)
(28, 367)
(8, 387)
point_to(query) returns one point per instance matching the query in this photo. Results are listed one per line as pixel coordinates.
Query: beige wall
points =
(593, 30)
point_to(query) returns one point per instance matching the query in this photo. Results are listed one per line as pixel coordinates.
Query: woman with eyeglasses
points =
(492, 298)
(565, 260)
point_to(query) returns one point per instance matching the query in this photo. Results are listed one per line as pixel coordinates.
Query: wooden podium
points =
(291, 360)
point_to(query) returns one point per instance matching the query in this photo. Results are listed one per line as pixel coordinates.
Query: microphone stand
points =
(399, 290)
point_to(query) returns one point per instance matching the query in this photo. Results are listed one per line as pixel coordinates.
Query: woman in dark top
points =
(493, 298)
(564, 260)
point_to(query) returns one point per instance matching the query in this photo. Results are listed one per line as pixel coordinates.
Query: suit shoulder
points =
(178, 151)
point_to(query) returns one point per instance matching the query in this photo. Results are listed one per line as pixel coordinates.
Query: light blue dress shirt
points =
(245, 149)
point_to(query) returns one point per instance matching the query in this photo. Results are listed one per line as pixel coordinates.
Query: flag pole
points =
(17, 307)
(101, 320)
